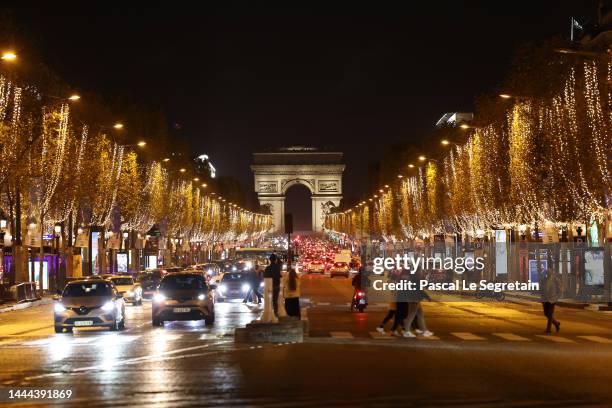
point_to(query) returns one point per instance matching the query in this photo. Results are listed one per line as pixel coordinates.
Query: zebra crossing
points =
(469, 337)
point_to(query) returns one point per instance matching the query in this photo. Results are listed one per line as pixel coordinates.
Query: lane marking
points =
(597, 339)
(511, 337)
(467, 336)
(341, 334)
(555, 339)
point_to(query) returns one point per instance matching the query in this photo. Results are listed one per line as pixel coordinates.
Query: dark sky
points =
(242, 78)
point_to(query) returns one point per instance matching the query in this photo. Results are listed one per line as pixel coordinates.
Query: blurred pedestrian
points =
(551, 291)
(291, 292)
(390, 315)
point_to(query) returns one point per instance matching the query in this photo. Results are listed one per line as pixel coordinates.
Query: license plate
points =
(181, 310)
(362, 301)
(83, 323)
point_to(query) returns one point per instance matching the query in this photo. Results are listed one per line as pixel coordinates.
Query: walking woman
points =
(291, 291)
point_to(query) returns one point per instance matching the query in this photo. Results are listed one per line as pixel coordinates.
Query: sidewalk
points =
(12, 306)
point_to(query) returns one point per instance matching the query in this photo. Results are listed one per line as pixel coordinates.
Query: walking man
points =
(551, 290)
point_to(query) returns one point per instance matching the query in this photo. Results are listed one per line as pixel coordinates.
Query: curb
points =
(26, 305)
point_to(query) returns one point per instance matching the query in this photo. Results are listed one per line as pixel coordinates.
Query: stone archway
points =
(320, 171)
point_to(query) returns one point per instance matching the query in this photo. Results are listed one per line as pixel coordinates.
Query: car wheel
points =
(59, 329)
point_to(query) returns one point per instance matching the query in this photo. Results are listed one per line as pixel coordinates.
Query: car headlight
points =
(261, 285)
(158, 297)
(234, 268)
(108, 306)
(222, 288)
(210, 272)
(249, 264)
(59, 308)
(201, 296)
(245, 287)
(130, 293)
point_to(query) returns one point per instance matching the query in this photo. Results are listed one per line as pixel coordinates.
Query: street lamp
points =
(182, 170)
(422, 158)
(166, 160)
(445, 142)
(142, 143)
(204, 185)
(8, 56)
(74, 97)
(118, 125)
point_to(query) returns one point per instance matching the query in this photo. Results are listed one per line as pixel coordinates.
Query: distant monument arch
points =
(320, 171)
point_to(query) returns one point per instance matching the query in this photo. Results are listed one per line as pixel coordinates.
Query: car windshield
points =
(229, 277)
(123, 281)
(182, 282)
(87, 289)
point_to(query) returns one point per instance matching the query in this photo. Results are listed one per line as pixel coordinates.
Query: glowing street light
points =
(9, 56)
(142, 143)
(399, 176)
(445, 142)
(422, 158)
(196, 179)
(411, 166)
(118, 125)
(204, 185)
(505, 96)
(166, 160)
(183, 170)
(74, 97)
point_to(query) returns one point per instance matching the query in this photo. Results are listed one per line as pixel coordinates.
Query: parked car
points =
(93, 302)
(183, 296)
(131, 290)
(339, 269)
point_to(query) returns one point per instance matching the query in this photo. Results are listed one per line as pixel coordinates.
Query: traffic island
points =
(287, 330)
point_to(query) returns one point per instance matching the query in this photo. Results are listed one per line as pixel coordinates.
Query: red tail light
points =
(360, 294)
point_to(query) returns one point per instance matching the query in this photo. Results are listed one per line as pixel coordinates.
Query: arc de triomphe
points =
(276, 171)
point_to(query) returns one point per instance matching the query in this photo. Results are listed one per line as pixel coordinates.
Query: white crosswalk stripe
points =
(597, 339)
(511, 337)
(555, 339)
(341, 334)
(467, 336)
(381, 336)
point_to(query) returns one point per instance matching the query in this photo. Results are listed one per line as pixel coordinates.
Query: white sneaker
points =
(409, 334)
(427, 333)
(396, 333)
(380, 329)
(418, 331)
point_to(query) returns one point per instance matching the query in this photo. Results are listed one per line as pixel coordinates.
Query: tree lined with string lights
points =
(539, 156)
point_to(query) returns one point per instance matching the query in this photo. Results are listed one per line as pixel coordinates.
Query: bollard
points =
(268, 315)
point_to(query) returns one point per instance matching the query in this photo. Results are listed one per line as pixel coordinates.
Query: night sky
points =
(241, 78)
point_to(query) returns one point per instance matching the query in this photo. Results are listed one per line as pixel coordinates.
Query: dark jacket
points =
(273, 271)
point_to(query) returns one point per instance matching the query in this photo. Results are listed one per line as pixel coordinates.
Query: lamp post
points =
(58, 228)
(3, 225)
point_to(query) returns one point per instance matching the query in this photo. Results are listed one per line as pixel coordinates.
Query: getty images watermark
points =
(448, 266)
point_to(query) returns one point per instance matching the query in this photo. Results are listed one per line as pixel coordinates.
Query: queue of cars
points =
(176, 294)
(324, 257)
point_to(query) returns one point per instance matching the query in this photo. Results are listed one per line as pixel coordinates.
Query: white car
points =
(131, 290)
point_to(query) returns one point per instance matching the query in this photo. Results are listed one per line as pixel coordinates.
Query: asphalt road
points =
(483, 354)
